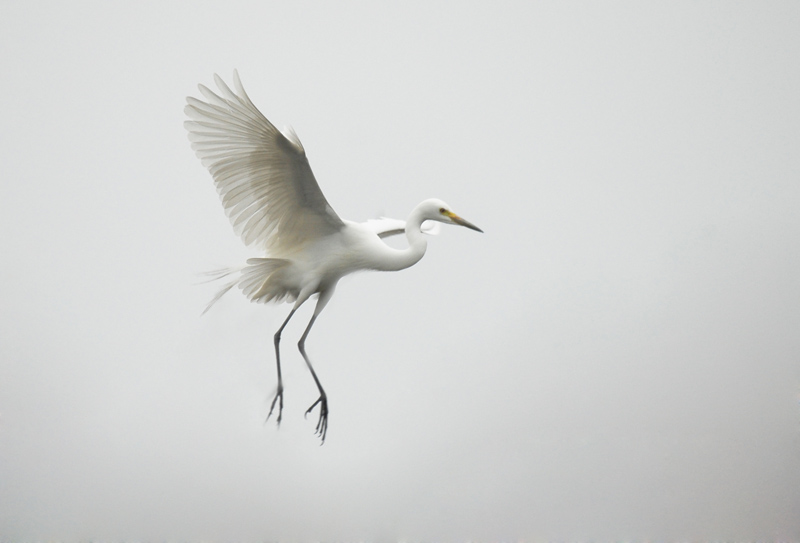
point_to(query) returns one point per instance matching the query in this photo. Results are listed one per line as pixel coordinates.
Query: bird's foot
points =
(279, 400)
(322, 424)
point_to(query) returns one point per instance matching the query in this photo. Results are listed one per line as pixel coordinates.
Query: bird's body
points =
(275, 204)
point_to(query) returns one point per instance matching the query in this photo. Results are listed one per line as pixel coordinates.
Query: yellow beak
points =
(463, 222)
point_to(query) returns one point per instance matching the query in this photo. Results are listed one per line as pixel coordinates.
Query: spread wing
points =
(386, 227)
(262, 175)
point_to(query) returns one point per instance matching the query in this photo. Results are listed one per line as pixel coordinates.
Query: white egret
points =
(274, 203)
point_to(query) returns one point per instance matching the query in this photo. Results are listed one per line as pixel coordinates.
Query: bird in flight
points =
(276, 206)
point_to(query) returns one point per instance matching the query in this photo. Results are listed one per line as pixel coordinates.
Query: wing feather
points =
(385, 227)
(262, 175)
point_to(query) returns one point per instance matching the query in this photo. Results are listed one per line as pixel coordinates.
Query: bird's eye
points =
(442, 210)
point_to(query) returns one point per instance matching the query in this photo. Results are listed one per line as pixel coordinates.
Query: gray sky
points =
(616, 358)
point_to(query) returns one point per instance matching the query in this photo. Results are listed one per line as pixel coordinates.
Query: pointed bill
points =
(463, 222)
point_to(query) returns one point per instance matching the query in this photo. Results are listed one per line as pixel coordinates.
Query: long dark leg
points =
(279, 394)
(322, 425)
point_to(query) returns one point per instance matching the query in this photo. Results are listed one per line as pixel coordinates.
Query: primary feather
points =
(262, 175)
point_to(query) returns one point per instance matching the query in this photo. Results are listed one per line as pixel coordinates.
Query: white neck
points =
(401, 259)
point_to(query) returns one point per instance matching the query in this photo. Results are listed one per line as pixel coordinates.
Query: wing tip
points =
(289, 133)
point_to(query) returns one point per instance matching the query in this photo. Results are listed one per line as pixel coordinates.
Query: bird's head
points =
(437, 210)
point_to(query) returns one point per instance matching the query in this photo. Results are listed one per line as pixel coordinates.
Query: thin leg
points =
(322, 424)
(279, 394)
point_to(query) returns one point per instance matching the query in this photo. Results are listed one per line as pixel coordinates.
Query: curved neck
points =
(401, 259)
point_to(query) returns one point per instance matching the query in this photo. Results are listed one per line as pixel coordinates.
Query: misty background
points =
(617, 357)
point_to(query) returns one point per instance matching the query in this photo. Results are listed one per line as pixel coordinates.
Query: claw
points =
(322, 424)
(278, 395)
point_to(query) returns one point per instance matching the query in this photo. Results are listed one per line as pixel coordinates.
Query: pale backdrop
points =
(616, 358)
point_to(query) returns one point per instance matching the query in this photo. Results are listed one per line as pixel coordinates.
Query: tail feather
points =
(219, 295)
(261, 280)
(215, 275)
